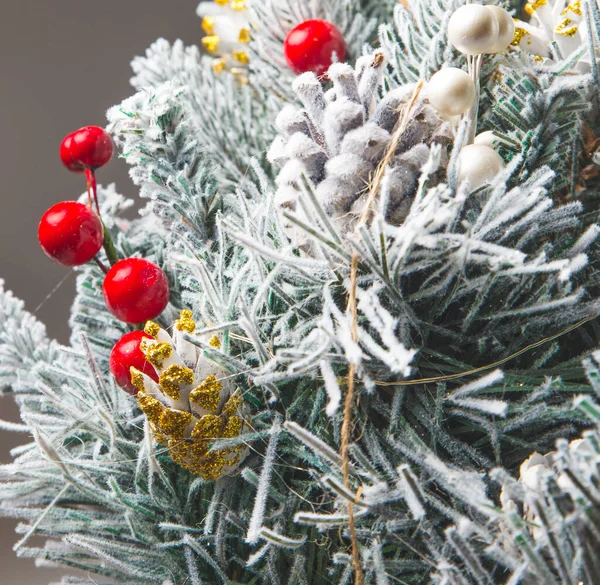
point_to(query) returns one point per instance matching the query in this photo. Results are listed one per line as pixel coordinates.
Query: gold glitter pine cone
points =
(193, 404)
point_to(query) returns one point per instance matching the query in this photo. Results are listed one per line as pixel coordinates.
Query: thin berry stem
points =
(100, 264)
(109, 247)
(90, 176)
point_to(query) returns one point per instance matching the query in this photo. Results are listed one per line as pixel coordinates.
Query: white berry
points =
(473, 29)
(478, 164)
(451, 91)
(506, 29)
(487, 138)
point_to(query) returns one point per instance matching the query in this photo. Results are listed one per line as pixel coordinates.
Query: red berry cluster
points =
(71, 233)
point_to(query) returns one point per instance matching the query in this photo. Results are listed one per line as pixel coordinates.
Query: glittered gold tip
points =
(207, 427)
(151, 407)
(233, 428)
(137, 378)
(531, 7)
(518, 36)
(215, 342)
(208, 25)
(212, 467)
(241, 57)
(156, 353)
(174, 422)
(211, 43)
(218, 65)
(208, 394)
(152, 329)
(222, 2)
(159, 437)
(244, 35)
(185, 322)
(232, 405)
(173, 377)
(564, 29)
(238, 5)
(574, 7)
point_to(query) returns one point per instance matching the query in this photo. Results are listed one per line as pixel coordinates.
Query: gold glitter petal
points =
(174, 422)
(151, 407)
(151, 329)
(156, 353)
(212, 467)
(531, 7)
(208, 394)
(518, 36)
(244, 36)
(232, 405)
(564, 29)
(218, 65)
(211, 43)
(173, 377)
(207, 427)
(238, 5)
(241, 57)
(178, 451)
(137, 378)
(574, 7)
(215, 342)
(185, 322)
(233, 428)
(222, 2)
(208, 25)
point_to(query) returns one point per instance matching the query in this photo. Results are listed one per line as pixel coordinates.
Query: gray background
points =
(62, 64)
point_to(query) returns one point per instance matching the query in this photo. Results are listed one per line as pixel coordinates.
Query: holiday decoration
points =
(479, 164)
(474, 29)
(126, 354)
(557, 22)
(227, 33)
(392, 269)
(70, 233)
(88, 148)
(312, 45)
(506, 29)
(451, 91)
(136, 290)
(194, 403)
(337, 143)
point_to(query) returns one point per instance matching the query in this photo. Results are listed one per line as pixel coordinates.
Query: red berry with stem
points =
(127, 354)
(310, 46)
(70, 233)
(85, 150)
(88, 148)
(136, 290)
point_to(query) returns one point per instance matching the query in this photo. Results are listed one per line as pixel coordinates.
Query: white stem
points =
(474, 68)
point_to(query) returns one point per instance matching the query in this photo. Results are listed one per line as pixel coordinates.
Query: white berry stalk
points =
(474, 30)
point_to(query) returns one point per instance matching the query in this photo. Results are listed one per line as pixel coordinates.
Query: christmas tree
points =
(352, 336)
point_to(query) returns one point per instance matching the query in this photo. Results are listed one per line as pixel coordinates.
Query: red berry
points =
(126, 354)
(310, 46)
(70, 233)
(135, 290)
(89, 147)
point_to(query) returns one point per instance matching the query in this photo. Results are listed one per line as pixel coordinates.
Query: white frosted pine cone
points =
(338, 138)
(193, 404)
